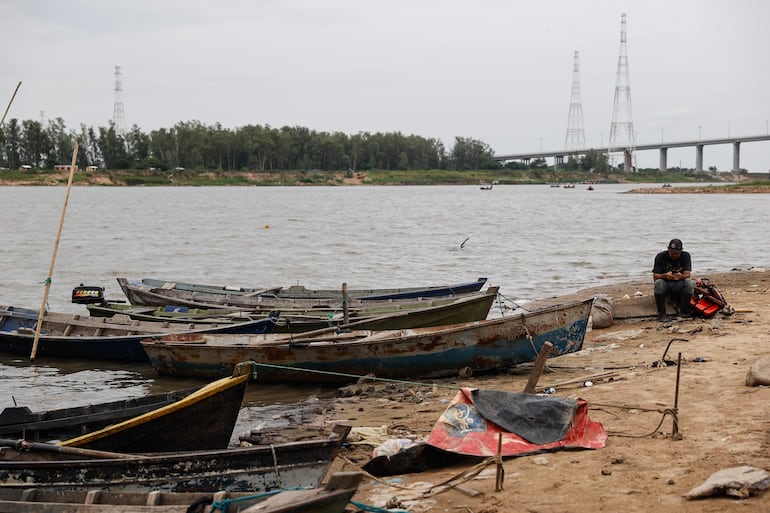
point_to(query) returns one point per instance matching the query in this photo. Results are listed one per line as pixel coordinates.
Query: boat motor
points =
(87, 295)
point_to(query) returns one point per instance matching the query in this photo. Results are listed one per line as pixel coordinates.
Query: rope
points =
(464, 476)
(275, 461)
(668, 411)
(375, 478)
(225, 503)
(665, 412)
(356, 376)
(375, 509)
(509, 300)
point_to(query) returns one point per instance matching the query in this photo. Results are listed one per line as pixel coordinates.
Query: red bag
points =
(707, 299)
(704, 306)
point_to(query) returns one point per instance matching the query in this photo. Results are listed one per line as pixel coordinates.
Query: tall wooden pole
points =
(537, 370)
(53, 257)
(10, 102)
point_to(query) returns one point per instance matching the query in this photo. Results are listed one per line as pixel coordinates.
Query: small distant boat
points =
(96, 338)
(488, 186)
(339, 357)
(45, 467)
(332, 498)
(568, 186)
(666, 185)
(590, 187)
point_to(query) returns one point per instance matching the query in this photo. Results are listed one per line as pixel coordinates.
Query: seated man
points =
(671, 273)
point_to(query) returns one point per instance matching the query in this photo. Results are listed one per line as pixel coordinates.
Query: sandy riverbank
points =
(722, 422)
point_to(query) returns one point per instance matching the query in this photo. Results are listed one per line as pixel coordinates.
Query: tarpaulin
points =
(529, 423)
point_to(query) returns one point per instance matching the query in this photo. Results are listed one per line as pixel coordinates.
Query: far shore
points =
(486, 179)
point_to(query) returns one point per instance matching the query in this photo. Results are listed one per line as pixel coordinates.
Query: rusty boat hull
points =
(398, 354)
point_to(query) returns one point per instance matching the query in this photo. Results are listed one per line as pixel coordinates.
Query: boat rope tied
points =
(503, 300)
(46, 282)
(668, 411)
(375, 509)
(355, 376)
(275, 462)
(223, 504)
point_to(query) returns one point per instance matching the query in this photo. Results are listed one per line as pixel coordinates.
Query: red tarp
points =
(461, 429)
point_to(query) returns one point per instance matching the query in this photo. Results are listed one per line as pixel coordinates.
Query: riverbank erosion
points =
(188, 177)
(646, 463)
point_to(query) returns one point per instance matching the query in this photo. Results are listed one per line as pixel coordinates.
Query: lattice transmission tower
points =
(622, 135)
(118, 116)
(576, 136)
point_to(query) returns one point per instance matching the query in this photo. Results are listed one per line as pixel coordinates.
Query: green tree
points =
(470, 154)
(113, 149)
(35, 145)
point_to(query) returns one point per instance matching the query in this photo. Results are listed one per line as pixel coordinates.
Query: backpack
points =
(707, 300)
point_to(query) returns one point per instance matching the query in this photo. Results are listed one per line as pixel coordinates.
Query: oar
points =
(86, 453)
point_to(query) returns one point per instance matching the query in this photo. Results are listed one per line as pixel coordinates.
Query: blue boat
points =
(97, 338)
(398, 354)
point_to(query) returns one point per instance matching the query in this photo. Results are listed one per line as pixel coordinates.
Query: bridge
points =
(662, 147)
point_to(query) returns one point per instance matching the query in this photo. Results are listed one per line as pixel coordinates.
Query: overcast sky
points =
(499, 71)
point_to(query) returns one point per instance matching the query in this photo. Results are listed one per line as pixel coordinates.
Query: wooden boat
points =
(301, 292)
(254, 469)
(332, 498)
(406, 353)
(21, 422)
(82, 337)
(144, 295)
(468, 308)
(205, 419)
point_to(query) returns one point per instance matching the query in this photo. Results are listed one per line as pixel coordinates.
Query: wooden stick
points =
(53, 257)
(537, 370)
(590, 377)
(345, 311)
(87, 453)
(675, 428)
(500, 471)
(9, 103)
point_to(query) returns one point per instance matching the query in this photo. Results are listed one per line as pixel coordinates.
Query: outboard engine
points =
(87, 295)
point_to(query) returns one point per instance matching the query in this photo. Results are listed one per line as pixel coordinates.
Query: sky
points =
(498, 71)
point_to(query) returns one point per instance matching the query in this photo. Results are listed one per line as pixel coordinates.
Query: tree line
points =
(194, 145)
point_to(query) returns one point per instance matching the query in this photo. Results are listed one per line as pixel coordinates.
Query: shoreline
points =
(366, 178)
(722, 422)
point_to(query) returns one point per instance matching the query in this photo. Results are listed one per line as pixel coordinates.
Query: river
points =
(533, 241)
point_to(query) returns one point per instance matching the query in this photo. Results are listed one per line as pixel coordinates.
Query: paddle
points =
(86, 453)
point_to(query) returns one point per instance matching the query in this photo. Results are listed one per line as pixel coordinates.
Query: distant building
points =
(64, 167)
(25, 167)
(90, 169)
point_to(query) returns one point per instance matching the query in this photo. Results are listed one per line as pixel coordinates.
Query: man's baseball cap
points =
(675, 245)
